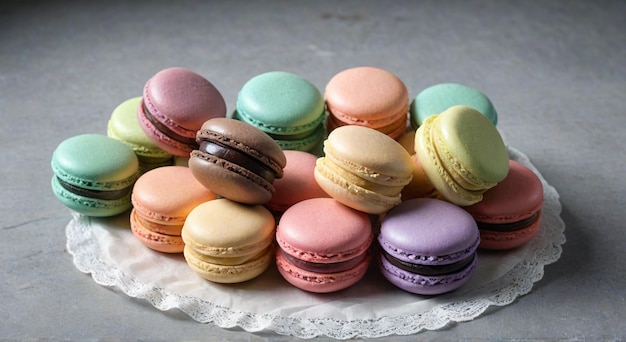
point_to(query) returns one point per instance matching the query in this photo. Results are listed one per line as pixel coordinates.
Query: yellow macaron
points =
(363, 168)
(461, 153)
(229, 242)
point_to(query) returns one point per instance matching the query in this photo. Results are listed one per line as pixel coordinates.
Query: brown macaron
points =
(237, 161)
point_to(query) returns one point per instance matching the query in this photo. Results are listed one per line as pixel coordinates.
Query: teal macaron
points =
(437, 98)
(94, 174)
(284, 105)
(124, 126)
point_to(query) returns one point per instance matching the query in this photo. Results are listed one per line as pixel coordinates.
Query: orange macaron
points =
(367, 96)
(162, 198)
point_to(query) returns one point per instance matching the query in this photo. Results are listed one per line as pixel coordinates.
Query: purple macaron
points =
(428, 246)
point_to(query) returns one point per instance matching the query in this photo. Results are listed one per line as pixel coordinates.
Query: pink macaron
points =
(510, 213)
(324, 245)
(162, 198)
(175, 104)
(298, 182)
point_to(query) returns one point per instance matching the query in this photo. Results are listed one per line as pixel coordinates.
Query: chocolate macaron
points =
(237, 161)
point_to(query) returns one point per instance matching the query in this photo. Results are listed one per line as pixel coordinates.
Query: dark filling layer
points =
(325, 268)
(96, 194)
(290, 136)
(239, 158)
(166, 130)
(508, 227)
(430, 270)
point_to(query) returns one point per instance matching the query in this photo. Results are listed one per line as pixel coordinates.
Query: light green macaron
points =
(437, 98)
(124, 126)
(286, 106)
(94, 174)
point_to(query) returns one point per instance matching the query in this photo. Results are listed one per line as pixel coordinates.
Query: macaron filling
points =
(325, 268)
(166, 130)
(430, 270)
(95, 194)
(509, 227)
(237, 157)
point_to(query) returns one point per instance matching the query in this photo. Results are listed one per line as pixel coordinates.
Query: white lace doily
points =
(106, 248)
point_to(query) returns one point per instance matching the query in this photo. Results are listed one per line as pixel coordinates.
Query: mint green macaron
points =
(437, 98)
(124, 126)
(94, 174)
(286, 106)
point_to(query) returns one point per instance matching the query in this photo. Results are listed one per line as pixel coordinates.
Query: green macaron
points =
(437, 98)
(94, 174)
(286, 106)
(124, 126)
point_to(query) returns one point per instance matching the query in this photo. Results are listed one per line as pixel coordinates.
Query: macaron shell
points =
(475, 146)
(322, 230)
(95, 162)
(155, 240)
(353, 195)
(229, 180)
(124, 126)
(228, 274)
(248, 139)
(436, 172)
(437, 98)
(425, 285)
(89, 206)
(517, 197)
(385, 161)
(183, 100)
(168, 194)
(298, 181)
(320, 282)
(280, 103)
(428, 232)
(228, 229)
(420, 186)
(367, 96)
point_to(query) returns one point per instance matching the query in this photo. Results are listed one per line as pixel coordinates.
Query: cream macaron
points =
(364, 169)
(229, 242)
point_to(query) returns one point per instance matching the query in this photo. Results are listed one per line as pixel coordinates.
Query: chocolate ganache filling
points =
(166, 130)
(95, 194)
(239, 158)
(508, 227)
(325, 268)
(430, 270)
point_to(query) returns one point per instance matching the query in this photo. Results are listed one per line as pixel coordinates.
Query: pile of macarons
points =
(320, 186)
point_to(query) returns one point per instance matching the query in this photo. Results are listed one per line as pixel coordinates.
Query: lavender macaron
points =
(428, 246)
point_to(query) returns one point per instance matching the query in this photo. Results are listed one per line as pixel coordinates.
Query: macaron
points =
(237, 161)
(229, 242)
(419, 186)
(323, 245)
(461, 153)
(284, 105)
(363, 168)
(175, 104)
(94, 174)
(367, 96)
(428, 246)
(437, 98)
(298, 182)
(510, 213)
(162, 198)
(124, 126)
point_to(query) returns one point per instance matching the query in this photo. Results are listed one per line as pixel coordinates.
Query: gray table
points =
(554, 69)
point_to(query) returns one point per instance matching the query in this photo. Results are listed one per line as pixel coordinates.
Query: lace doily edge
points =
(523, 276)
